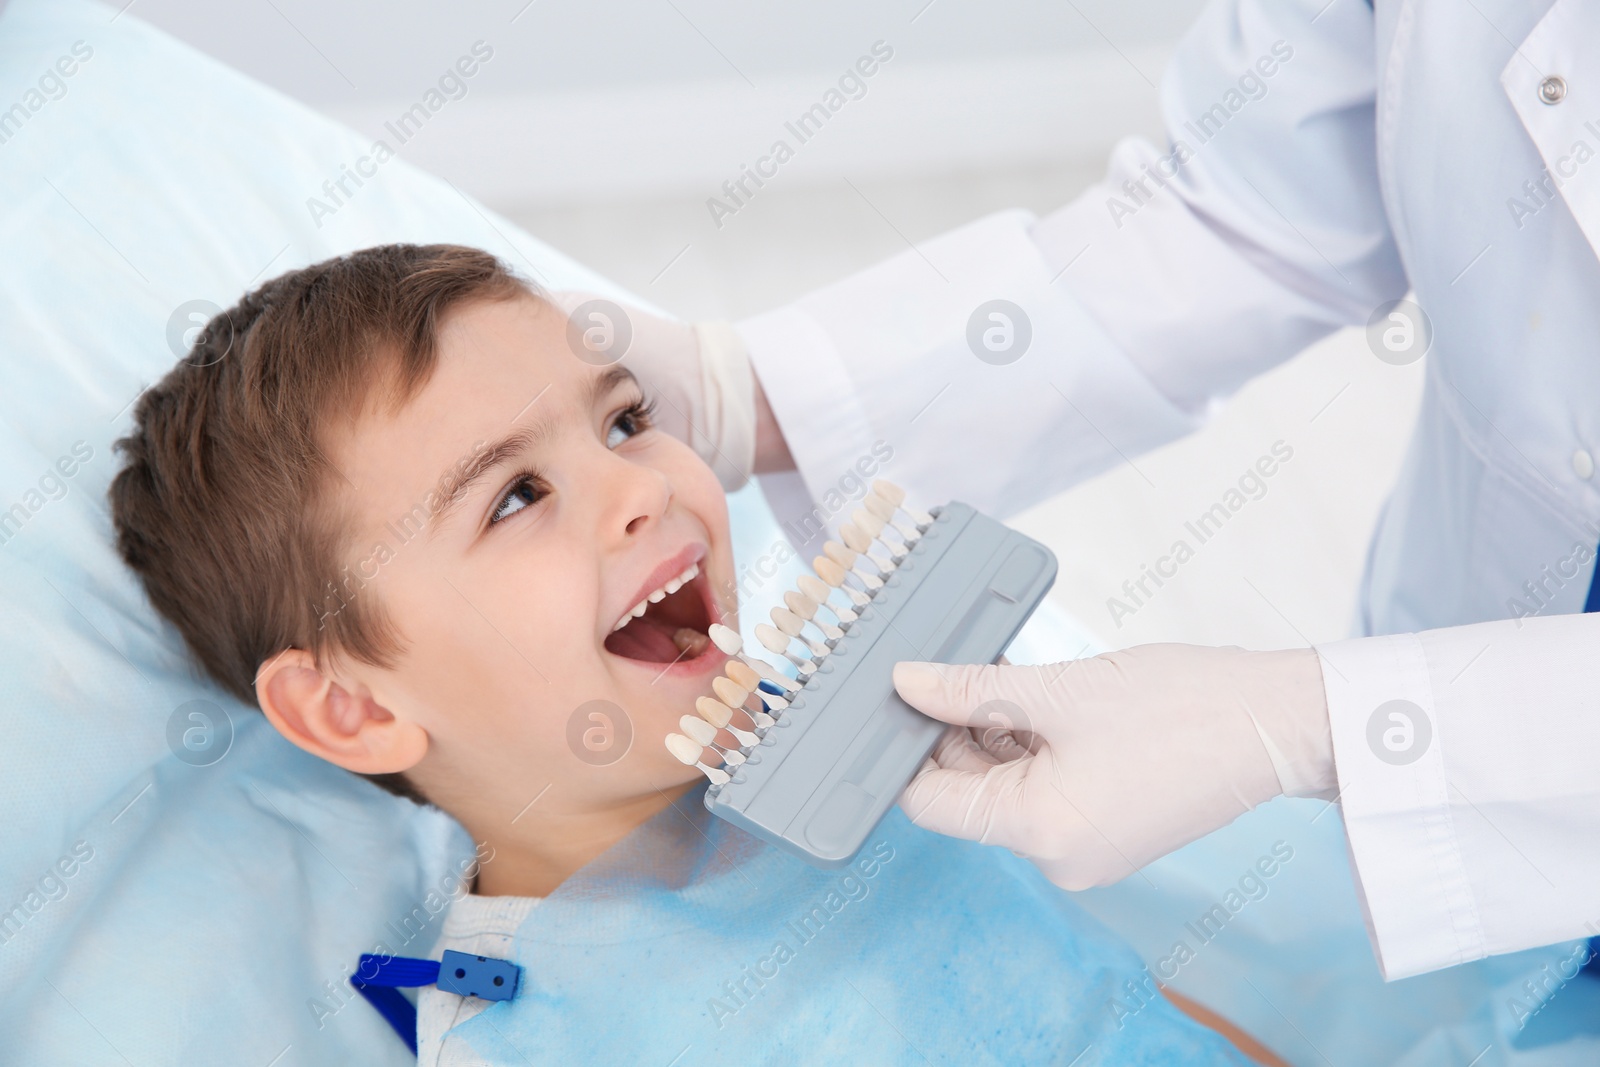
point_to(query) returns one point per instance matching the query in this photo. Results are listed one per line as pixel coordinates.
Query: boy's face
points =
(567, 512)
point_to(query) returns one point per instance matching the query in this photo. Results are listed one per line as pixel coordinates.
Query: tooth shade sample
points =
(841, 555)
(854, 539)
(730, 692)
(684, 749)
(804, 609)
(769, 674)
(774, 640)
(698, 730)
(746, 681)
(742, 676)
(867, 523)
(816, 589)
(802, 605)
(787, 621)
(725, 638)
(834, 574)
(889, 491)
(730, 643)
(828, 571)
(705, 733)
(687, 752)
(879, 508)
(714, 711)
(813, 587)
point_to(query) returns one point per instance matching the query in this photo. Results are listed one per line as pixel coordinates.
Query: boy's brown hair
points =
(222, 506)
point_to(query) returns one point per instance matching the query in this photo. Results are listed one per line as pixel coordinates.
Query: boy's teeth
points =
(672, 586)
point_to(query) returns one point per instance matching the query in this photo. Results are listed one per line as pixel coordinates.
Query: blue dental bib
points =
(691, 939)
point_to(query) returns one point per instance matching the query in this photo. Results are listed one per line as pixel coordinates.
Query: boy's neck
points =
(532, 854)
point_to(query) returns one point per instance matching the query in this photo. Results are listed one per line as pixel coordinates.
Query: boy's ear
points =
(349, 729)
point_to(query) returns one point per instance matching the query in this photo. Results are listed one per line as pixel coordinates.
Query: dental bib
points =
(690, 939)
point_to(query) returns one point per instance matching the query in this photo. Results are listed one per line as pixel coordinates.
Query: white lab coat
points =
(1384, 151)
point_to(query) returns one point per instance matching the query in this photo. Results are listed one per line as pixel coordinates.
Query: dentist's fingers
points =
(958, 750)
(958, 693)
(983, 806)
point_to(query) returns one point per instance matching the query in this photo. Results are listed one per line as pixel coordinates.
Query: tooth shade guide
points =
(685, 751)
(777, 642)
(878, 507)
(787, 621)
(741, 685)
(787, 684)
(703, 733)
(714, 711)
(697, 730)
(895, 496)
(720, 716)
(805, 609)
(843, 750)
(834, 575)
(729, 641)
(861, 545)
(725, 638)
(742, 676)
(802, 605)
(866, 522)
(888, 491)
(855, 539)
(816, 589)
(845, 560)
(730, 692)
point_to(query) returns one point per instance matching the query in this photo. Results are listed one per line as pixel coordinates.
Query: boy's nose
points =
(638, 496)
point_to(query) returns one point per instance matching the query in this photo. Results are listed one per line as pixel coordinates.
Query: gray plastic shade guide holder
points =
(847, 745)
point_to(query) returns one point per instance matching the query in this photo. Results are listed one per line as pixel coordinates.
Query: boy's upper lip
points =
(664, 572)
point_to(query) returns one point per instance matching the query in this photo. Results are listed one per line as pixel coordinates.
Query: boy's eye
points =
(634, 420)
(524, 492)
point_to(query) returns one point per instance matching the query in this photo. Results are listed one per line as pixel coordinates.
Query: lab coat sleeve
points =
(1469, 776)
(1257, 228)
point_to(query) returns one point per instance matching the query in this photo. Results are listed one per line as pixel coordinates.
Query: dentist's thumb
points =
(956, 693)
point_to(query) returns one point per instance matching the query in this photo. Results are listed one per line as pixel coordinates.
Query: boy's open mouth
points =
(674, 624)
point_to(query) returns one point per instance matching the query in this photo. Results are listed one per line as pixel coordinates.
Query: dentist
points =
(1324, 158)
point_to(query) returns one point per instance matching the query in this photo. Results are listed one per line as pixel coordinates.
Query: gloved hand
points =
(1094, 767)
(699, 375)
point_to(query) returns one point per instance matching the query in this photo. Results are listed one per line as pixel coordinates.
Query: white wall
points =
(604, 128)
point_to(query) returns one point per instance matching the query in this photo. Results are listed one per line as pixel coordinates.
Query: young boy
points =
(386, 500)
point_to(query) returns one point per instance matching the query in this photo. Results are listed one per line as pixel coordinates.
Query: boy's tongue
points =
(654, 641)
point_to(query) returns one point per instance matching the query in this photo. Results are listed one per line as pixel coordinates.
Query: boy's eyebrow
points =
(453, 485)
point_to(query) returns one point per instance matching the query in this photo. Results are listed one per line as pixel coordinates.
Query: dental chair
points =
(178, 884)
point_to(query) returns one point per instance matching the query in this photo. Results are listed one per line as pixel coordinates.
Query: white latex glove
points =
(1093, 768)
(698, 374)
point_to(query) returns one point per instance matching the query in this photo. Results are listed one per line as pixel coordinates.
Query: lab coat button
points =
(1583, 464)
(1553, 90)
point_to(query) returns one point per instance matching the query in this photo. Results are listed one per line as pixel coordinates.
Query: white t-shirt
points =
(481, 926)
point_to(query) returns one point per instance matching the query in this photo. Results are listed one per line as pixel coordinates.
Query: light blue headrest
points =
(175, 912)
